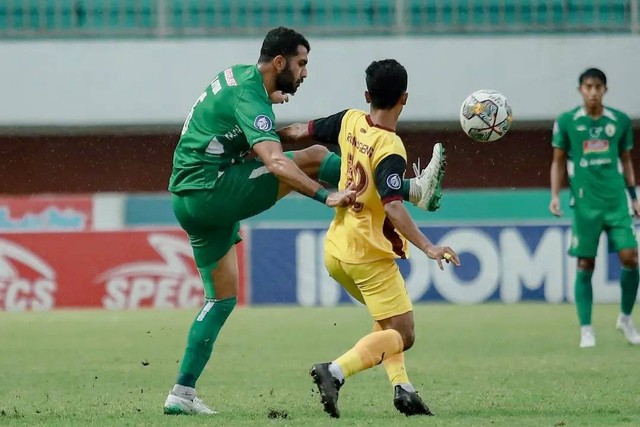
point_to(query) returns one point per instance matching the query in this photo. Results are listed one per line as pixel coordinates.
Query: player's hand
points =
(279, 97)
(554, 206)
(635, 205)
(440, 253)
(341, 199)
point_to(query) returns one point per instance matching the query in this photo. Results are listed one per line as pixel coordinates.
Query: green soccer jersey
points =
(232, 114)
(594, 147)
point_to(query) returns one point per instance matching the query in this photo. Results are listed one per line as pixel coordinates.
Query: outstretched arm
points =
(324, 130)
(388, 178)
(296, 133)
(289, 173)
(402, 221)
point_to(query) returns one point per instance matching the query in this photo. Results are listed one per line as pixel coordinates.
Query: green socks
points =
(629, 287)
(629, 279)
(330, 173)
(584, 296)
(202, 336)
(330, 169)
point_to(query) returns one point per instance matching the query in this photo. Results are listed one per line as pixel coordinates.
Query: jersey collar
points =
(370, 122)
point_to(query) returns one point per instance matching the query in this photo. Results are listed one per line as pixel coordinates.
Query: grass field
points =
(493, 365)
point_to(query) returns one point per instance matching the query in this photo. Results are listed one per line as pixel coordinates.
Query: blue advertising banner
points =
(502, 263)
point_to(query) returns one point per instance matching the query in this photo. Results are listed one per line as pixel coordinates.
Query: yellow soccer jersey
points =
(374, 160)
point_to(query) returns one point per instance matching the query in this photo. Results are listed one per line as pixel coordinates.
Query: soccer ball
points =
(485, 115)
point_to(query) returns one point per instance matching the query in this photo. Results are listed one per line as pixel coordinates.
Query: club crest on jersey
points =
(595, 132)
(263, 123)
(610, 130)
(595, 146)
(394, 182)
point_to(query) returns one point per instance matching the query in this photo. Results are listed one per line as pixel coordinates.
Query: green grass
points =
(494, 365)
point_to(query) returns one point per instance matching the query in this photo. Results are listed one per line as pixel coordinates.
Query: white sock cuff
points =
(184, 391)
(336, 371)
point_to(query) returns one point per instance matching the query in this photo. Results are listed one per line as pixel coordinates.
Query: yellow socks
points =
(370, 351)
(394, 365)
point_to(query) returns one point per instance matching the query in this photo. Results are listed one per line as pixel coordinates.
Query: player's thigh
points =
(337, 272)
(586, 228)
(382, 287)
(214, 252)
(620, 230)
(246, 189)
(309, 159)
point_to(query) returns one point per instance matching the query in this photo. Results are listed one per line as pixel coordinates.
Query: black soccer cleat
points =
(328, 386)
(409, 403)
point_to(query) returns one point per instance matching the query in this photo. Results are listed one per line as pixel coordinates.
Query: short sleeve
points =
(255, 117)
(327, 129)
(560, 139)
(388, 177)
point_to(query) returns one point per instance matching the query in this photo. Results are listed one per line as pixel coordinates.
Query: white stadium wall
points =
(156, 82)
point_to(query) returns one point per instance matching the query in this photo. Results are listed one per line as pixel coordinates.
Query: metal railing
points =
(181, 18)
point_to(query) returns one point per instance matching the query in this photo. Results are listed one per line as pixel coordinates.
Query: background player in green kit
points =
(215, 185)
(595, 138)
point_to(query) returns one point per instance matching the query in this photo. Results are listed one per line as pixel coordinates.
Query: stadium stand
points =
(150, 18)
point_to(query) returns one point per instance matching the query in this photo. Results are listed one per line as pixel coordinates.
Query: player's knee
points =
(407, 333)
(408, 338)
(317, 153)
(629, 259)
(586, 264)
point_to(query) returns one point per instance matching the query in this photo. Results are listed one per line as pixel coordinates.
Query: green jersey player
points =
(215, 185)
(597, 139)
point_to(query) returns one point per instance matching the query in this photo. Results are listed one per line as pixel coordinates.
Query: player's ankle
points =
(408, 387)
(184, 391)
(336, 371)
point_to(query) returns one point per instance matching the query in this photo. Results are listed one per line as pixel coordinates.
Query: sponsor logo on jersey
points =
(228, 76)
(263, 123)
(394, 182)
(360, 146)
(26, 280)
(170, 282)
(233, 132)
(610, 130)
(595, 146)
(595, 162)
(581, 128)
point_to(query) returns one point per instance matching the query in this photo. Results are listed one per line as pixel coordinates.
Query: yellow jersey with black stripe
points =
(374, 160)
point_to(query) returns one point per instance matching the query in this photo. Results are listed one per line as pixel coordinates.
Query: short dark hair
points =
(592, 73)
(386, 83)
(282, 41)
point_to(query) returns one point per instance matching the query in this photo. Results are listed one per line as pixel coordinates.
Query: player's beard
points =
(286, 82)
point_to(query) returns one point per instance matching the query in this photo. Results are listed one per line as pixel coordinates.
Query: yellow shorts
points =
(378, 285)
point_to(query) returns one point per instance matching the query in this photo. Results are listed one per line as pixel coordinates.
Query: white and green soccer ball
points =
(485, 115)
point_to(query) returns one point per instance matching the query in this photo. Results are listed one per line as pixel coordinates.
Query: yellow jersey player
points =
(364, 240)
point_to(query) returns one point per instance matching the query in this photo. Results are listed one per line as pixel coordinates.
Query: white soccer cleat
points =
(626, 326)
(178, 405)
(587, 337)
(426, 188)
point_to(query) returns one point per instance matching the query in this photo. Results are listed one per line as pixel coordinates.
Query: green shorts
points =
(212, 217)
(589, 223)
